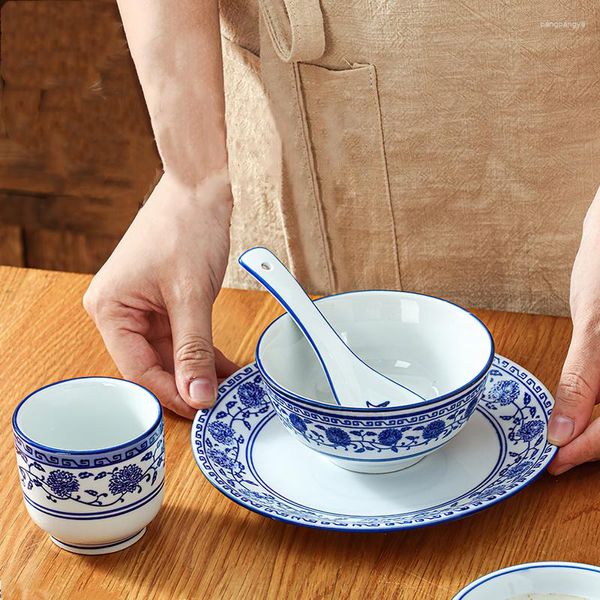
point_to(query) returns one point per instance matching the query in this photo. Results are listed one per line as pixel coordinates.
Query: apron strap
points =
(295, 28)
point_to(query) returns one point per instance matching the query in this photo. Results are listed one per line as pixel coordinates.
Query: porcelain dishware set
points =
(365, 411)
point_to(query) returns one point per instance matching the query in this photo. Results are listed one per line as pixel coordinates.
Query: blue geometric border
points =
(86, 461)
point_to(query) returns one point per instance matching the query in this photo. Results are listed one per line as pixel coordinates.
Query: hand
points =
(152, 300)
(579, 387)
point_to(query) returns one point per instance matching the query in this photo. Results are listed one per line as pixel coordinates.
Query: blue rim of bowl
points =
(463, 594)
(293, 396)
(17, 429)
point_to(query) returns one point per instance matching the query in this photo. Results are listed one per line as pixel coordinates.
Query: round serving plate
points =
(537, 581)
(245, 452)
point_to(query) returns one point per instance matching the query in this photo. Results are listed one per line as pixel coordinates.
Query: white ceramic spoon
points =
(352, 381)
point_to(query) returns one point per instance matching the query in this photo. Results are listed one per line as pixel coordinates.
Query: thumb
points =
(577, 390)
(193, 353)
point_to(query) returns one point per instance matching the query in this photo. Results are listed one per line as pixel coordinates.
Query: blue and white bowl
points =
(537, 581)
(90, 455)
(434, 347)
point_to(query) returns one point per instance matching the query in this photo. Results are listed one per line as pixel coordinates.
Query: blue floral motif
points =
(298, 423)
(125, 480)
(434, 429)
(504, 392)
(222, 432)
(102, 487)
(337, 436)
(389, 437)
(251, 394)
(495, 490)
(518, 469)
(471, 408)
(530, 430)
(379, 436)
(221, 458)
(62, 483)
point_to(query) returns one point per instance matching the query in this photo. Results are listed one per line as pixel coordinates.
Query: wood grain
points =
(77, 154)
(74, 120)
(67, 250)
(12, 252)
(96, 216)
(204, 546)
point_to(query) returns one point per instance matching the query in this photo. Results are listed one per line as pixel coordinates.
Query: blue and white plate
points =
(245, 452)
(537, 581)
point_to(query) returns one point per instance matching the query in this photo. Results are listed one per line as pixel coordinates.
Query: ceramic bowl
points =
(434, 347)
(537, 581)
(90, 455)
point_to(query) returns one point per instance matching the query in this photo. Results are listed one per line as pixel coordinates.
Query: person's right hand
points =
(152, 300)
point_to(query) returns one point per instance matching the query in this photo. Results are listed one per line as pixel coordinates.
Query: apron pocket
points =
(343, 123)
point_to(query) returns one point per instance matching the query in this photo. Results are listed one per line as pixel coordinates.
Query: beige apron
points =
(450, 148)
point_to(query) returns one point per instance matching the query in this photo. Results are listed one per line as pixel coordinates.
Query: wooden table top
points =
(201, 545)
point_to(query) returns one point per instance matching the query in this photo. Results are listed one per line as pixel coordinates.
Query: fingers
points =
(194, 357)
(576, 395)
(582, 449)
(577, 390)
(137, 360)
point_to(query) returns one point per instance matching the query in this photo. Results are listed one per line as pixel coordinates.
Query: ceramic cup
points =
(90, 455)
(434, 347)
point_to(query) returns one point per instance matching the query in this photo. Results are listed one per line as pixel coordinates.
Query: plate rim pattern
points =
(368, 523)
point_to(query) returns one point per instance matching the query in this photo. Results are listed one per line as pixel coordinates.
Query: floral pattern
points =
(389, 437)
(530, 430)
(472, 406)
(221, 458)
(490, 492)
(98, 488)
(248, 402)
(520, 468)
(298, 423)
(526, 451)
(251, 394)
(62, 483)
(222, 433)
(125, 480)
(518, 408)
(337, 436)
(381, 435)
(504, 392)
(434, 429)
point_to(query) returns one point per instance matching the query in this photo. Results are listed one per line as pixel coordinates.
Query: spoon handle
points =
(268, 270)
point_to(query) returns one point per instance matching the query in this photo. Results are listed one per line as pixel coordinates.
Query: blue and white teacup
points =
(431, 346)
(90, 455)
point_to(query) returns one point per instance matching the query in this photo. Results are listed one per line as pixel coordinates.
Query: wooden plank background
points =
(77, 153)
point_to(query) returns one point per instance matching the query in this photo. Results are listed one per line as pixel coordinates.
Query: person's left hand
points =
(578, 391)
